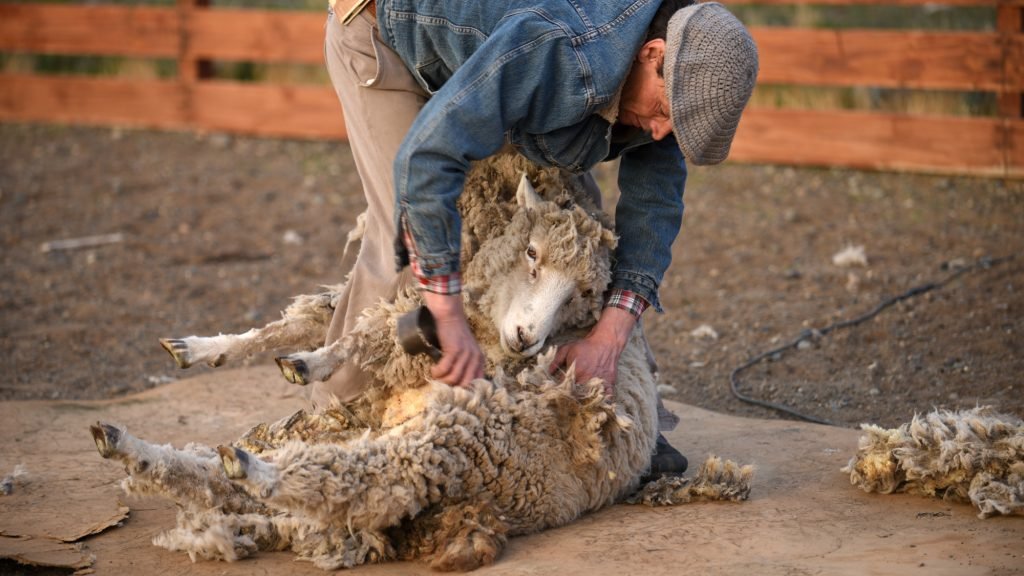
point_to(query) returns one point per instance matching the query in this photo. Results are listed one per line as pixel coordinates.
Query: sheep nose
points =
(522, 340)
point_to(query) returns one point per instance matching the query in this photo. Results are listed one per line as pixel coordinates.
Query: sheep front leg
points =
(304, 325)
(371, 343)
(315, 366)
(190, 476)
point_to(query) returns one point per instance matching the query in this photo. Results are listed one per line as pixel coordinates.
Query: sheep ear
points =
(526, 195)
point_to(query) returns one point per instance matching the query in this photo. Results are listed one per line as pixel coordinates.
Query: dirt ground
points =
(219, 232)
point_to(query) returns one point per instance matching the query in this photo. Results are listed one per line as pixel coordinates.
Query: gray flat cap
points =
(710, 71)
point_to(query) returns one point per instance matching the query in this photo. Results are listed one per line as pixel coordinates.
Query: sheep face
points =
(536, 294)
(556, 274)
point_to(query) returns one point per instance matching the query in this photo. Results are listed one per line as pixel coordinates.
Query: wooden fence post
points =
(190, 68)
(1010, 25)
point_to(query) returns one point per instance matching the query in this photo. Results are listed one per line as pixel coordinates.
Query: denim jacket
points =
(533, 74)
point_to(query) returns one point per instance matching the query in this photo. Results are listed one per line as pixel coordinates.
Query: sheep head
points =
(547, 270)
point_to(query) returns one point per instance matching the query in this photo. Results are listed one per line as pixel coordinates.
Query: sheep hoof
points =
(178, 350)
(294, 370)
(235, 462)
(106, 437)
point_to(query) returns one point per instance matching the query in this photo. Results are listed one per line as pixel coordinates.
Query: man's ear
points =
(652, 51)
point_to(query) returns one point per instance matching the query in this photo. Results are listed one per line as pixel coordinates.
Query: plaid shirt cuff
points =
(629, 301)
(444, 284)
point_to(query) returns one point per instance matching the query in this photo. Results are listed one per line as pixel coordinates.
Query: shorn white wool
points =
(974, 456)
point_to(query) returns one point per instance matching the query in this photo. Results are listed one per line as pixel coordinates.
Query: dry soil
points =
(218, 232)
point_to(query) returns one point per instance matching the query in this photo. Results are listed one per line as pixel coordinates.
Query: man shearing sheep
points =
(429, 86)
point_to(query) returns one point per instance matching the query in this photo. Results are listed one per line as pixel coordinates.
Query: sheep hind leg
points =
(240, 465)
(334, 484)
(188, 476)
(304, 325)
(107, 439)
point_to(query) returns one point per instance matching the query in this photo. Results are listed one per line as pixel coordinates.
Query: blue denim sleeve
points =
(466, 119)
(648, 216)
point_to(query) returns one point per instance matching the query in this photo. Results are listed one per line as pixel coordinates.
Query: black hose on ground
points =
(813, 334)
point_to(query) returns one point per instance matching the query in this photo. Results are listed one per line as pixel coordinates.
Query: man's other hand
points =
(462, 360)
(597, 355)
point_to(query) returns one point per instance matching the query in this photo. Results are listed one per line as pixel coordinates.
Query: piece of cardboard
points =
(44, 552)
(803, 516)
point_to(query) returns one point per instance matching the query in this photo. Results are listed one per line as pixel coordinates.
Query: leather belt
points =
(347, 10)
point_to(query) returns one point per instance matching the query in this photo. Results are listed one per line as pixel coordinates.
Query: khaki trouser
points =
(380, 100)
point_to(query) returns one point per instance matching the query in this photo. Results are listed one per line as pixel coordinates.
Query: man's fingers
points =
(443, 368)
(458, 369)
(477, 368)
(560, 356)
(459, 375)
(473, 371)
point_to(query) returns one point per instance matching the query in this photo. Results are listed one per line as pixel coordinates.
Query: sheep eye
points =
(531, 252)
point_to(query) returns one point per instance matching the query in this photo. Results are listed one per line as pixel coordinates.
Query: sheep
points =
(974, 456)
(415, 469)
(447, 485)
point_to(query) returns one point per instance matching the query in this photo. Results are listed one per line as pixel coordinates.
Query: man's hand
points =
(462, 361)
(597, 355)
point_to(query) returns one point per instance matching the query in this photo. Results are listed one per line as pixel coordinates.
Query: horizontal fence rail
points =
(192, 35)
(886, 59)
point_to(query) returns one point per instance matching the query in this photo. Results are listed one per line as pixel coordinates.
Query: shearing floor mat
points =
(66, 509)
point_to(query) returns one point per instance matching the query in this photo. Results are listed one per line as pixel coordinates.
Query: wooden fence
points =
(194, 34)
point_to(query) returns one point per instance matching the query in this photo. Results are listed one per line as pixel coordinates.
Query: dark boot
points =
(666, 461)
